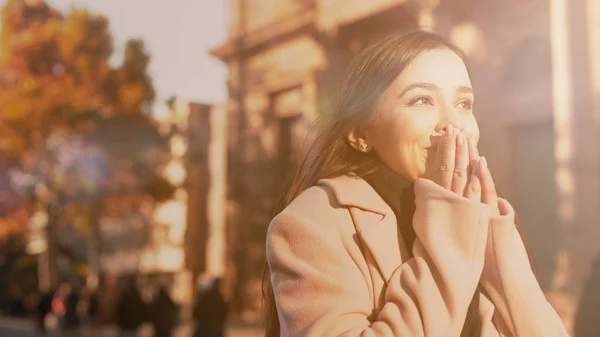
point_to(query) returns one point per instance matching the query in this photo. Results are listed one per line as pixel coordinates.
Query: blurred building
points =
(535, 68)
(182, 238)
(191, 243)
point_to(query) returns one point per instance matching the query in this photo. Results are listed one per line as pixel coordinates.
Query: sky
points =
(178, 35)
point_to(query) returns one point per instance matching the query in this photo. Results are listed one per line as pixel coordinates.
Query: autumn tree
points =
(72, 127)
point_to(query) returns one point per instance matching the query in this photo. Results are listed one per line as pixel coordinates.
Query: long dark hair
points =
(330, 155)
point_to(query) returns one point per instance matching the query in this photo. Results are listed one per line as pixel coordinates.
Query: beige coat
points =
(338, 267)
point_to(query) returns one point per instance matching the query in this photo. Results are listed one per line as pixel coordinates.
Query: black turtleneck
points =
(399, 194)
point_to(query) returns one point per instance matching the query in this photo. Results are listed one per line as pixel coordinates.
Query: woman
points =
(393, 226)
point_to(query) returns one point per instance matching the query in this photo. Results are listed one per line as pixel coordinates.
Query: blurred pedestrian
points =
(131, 310)
(210, 312)
(88, 306)
(59, 303)
(17, 306)
(72, 318)
(164, 313)
(43, 308)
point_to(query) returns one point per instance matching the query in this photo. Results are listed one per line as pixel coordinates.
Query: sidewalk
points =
(24, 324)
(184, 330)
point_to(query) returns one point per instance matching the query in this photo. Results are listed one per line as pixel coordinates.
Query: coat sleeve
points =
(521, 308)
(320, 291)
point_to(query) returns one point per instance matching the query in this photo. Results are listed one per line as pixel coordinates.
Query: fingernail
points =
(483, 162)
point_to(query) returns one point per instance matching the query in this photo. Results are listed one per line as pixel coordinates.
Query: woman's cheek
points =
(426, 159)
(428, 162)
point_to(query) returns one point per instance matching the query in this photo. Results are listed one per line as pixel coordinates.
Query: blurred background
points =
(145, 143)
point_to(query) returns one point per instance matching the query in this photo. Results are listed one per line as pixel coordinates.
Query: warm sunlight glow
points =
(468, 37)
(593, 10)
(217, 193)
(175, 172)
(563, 110)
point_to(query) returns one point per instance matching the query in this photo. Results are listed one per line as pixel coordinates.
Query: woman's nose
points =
(450, 116)
(444, 124)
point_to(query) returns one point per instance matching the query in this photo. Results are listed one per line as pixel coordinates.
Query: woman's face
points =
(432, 92)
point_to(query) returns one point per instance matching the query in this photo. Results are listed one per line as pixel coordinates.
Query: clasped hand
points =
(459, 168)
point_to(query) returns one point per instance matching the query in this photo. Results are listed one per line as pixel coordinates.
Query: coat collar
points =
(353, 191)
(374, 220)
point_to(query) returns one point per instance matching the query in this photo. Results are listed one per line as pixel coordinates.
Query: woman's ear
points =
(357, 139)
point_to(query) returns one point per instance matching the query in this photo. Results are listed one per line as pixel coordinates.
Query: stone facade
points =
(533, 71)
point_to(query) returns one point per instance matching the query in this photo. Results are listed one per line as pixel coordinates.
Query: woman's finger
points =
(473, 189)
(461, 177)
(488, 189)
(473, 152)
(445, 158)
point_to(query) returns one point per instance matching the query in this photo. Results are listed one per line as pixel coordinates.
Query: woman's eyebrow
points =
(432, 86)
(418, 85)
(465, 90)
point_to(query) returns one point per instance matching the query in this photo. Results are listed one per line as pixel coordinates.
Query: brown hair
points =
(330, 155)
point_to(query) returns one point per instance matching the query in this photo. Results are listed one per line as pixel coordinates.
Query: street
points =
(24, 328)
(11, 332)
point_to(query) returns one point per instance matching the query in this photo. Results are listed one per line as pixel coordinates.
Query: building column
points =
(217, 192)
(575, 148)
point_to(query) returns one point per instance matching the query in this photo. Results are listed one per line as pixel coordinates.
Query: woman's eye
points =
(466, 104)
(421, 101)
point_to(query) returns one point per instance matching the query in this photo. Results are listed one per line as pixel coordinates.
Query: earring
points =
(364, 146)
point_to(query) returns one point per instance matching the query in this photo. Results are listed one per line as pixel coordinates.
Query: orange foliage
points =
(16, 223)
(55, 67)
(56, 79)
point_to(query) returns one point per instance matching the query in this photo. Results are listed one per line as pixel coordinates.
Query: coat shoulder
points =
(315, 205)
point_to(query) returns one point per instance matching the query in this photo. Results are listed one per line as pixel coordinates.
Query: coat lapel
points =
(374, 221)
(380, 237)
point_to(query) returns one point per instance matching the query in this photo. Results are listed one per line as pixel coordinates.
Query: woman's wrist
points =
(506, 259)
